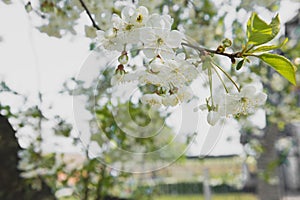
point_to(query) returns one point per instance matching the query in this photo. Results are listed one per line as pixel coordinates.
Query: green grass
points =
(237, 196)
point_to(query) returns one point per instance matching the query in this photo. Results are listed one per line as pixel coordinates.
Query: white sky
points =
(31, 61)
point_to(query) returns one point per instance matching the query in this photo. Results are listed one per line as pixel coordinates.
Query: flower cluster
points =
(168, 69)
(169, 73)
(136, 27)
(234, 104)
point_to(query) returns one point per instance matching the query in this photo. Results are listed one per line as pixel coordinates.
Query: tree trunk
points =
(268, 190)
(12, 186)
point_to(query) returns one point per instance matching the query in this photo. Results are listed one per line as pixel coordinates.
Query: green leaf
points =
(240, 64)
(259, 32)
(92, 46)
(269, 47)
(281, 64)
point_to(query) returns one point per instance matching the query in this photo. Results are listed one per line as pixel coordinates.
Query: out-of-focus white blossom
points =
(36, 172)
(64, 192)
(284, 144)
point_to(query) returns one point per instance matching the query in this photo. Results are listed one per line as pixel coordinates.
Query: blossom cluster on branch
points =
(171, 64)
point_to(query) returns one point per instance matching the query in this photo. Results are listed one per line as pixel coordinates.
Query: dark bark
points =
(12, 186)
(265, 164)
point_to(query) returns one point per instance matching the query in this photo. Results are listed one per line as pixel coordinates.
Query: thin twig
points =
(232, 56)
(89, 14)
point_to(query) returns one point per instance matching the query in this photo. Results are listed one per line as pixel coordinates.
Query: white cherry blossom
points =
(125, 29)
(184, 94)
(119, 78)
(153, 100)
(181, 72)
(158, 38)
(170, 100)
(135, 16)
(151, 78)
(169, 73)
(244, 102)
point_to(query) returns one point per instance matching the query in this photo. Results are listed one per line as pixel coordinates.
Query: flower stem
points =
(228, 76)
(210, 85)
(222, 81)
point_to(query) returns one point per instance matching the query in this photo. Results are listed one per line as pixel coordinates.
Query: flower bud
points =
(226, 42)
(220, 49)
(120, 70)
(213, 117)
(123, 59)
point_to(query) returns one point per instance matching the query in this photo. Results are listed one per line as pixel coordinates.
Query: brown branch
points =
(89, 14)
(232, 56)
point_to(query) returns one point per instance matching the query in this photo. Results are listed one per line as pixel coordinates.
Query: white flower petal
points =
(167, 21)
(133, 76)
(147, 36)
(166, 53)
(110, 33)
(149, 53)
(143, 10)
(184, 94)
(100, 35)
(157, 66)
(127, 12)
(141, 16)
(174, 39)
(213, 117)
(154, 21)
(170, 100)
(248, 90)
(116, 79)
(152, 99)
(231, 104)
(116, 21)
(261, 98)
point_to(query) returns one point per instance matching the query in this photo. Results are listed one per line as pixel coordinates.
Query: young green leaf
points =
(266, 48)
(240, 64)
(281, 64)
(92, 46)
(259, 32)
